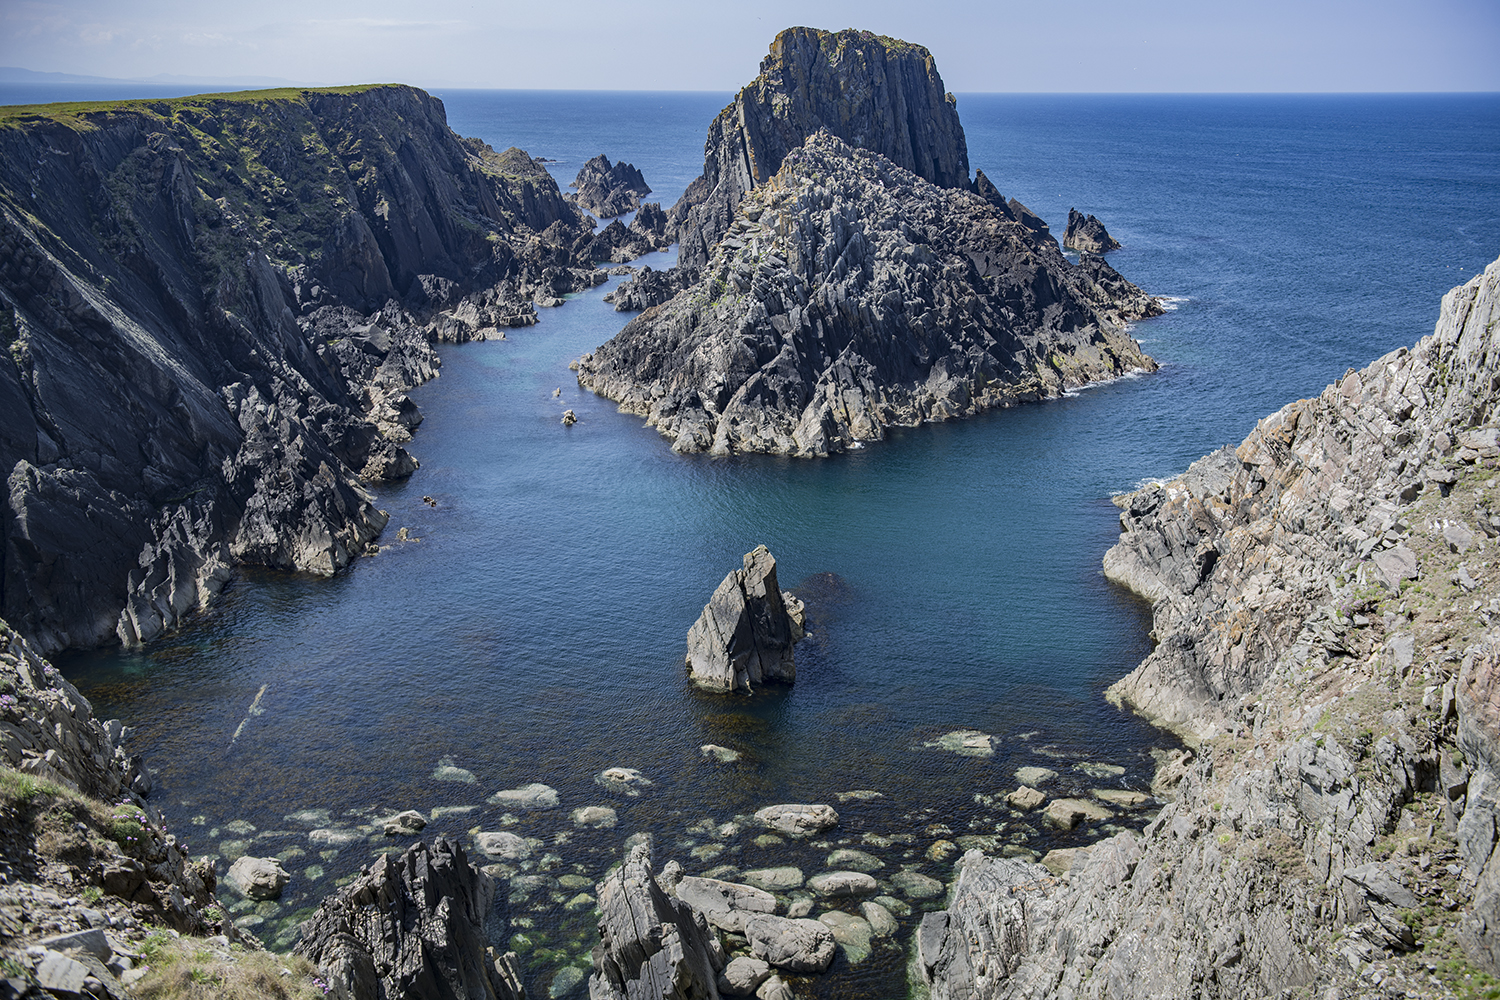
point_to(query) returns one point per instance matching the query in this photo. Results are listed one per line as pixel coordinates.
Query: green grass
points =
(68, 111)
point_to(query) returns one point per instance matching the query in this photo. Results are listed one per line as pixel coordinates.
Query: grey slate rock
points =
(1087, 234)
(745, 635)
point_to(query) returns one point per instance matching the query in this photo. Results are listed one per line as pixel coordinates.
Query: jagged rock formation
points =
(745, 635)
(609, 189)
(646, 288)
(851, 296)
(213, 308)
(1344, 795)
(873, 92)
(617, 243)
(1087, 234)
(413, 925)
(653, 946)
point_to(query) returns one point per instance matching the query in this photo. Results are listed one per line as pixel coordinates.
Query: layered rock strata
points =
(213, 308)
(609, 189)
(652, 944)
(413, 925)
(1087, 234)
(747, 631)
(852, 296)
(873, 92)
(1326, 608)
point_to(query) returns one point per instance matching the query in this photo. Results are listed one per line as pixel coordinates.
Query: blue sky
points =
(1000, 45)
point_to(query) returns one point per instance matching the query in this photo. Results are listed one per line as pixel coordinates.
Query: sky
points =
(1052, 46)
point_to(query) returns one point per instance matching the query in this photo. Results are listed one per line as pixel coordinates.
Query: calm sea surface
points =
(536, 630)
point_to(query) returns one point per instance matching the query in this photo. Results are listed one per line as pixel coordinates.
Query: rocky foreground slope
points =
(1327, 610)
(213, 308)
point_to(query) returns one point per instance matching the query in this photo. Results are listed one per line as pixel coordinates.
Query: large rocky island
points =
(841, 274)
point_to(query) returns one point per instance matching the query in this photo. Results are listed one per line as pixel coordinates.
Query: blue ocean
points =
(532, 629)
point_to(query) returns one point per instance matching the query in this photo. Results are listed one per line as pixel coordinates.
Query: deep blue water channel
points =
(536, 631)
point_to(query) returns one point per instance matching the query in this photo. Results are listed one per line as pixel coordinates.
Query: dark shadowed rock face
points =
(1087, 234)
(873, 92)
(213, 308)
(609, 189)
(414, 926)
(851, 295)
(745, 635)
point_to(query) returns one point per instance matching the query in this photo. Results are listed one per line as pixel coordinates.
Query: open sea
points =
(535, 632)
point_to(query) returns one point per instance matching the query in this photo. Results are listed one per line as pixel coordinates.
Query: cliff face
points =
(873, 92)
(213, 307)
(1326, 608)
(851, 295)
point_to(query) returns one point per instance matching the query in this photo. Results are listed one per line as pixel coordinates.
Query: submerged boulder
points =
(746, 632)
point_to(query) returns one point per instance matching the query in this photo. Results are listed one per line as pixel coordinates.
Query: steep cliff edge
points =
(850, 296)
(1327, 609)
(873, 92)
(213, 307)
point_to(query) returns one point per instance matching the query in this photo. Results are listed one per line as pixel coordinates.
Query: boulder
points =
(837, 884)
(1087, 234)
(595, 818)
(652, 945)
(411, 925)
(851, 933)
(1025, 799)
(745, 635)
(530, 797)
(408, 822)
(504, 844)
(259, 878)
(800, 945)
(774, 879)
(742, 976)
(797, 820)
(1065, 814)
(623, 780)
(726, 905)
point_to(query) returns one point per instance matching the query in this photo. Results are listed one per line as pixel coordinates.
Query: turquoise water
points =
(536, 632)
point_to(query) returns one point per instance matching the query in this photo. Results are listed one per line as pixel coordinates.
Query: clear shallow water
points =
(536, 631)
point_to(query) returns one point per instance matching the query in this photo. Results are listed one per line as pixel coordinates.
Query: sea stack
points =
(840, 274)
(1087, 234)
(744, 637)
(609, 189)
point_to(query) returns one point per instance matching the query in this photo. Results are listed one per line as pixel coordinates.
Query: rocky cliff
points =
(213, 306)
(1327, 610)
(851, 295)
(873, 92)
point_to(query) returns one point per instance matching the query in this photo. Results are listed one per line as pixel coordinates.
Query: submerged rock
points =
(745, 635)
(535, 796)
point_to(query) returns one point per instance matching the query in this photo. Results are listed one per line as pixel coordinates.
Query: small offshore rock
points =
(882, 922)
(1087, 234)
(1034, 776)
(623, 780)
(854, 860)
(798, 820)
(504, 844)
(915, 885)
(851, 933)
(408, 822)
(569, 418)
(774, 879)
(745, 635)
(446, 770)
(259, 878)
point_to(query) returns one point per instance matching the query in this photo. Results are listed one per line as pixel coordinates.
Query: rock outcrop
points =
(1087, 234)
(214, 307)
(744, 637)
(653, 945)
(852, 296)
(873, 92)
(1336, 830)
(413, 925)
(617, 243)
(609, 189)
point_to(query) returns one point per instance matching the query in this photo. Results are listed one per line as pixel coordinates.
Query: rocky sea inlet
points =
(530, 627)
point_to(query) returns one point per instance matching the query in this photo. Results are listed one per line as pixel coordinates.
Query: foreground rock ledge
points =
(744, 637)
(1335, 835)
